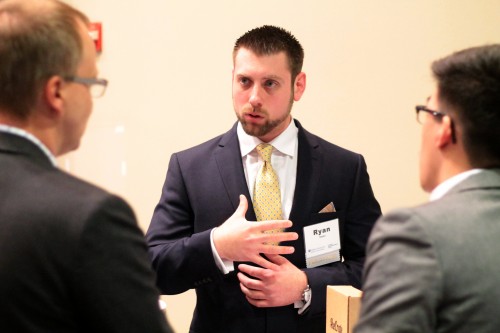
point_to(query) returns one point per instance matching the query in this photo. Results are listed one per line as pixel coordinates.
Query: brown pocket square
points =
(330, 208)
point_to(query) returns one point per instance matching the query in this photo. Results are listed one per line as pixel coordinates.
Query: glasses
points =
(96, 86)
(437, 114)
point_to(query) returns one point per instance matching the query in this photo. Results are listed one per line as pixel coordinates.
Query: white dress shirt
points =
(448, 184)
(284, 163)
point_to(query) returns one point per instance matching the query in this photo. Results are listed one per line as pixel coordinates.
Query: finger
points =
(255, 296)
(244, 290)
(242, 277)
(258, 303)
(280, 236)
(247, 292)
(263, 226)
(242, 207)
(269, 265)
(257, 278)
(244, 280)
(250, 270)
(277, 259)
(277, 249)
(263, 262)
(249, 283)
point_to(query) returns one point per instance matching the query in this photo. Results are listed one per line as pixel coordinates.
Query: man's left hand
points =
(278, 283)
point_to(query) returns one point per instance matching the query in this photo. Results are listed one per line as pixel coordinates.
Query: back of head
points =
(469, 86)
(38, 39)
(268, 40)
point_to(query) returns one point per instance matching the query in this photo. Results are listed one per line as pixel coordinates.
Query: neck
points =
(454, 162)
(44, 133)
(10, 120)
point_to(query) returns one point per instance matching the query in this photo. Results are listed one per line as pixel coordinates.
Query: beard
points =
(269, 125)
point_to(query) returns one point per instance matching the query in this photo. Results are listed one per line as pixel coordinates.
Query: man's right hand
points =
(240, 240)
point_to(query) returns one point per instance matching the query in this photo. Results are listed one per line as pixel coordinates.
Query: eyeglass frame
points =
(89, 81)
(437, 114)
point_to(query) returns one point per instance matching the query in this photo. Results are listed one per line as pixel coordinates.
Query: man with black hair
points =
(435, 268)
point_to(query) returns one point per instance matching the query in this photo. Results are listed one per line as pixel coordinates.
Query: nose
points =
(255, 97)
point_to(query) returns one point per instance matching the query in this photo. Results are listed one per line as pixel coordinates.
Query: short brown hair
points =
(38, 39)
(268, 40)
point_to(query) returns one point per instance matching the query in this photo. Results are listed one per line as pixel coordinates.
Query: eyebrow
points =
(267, 77)
(274, 77)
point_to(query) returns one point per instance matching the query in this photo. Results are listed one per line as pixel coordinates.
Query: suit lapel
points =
(228, 159)
(308, 174)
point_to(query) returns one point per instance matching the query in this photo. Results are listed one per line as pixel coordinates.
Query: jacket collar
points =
(17, 145)
(486, 179)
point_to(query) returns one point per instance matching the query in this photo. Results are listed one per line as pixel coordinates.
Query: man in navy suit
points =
(72, 257)
(202, 235)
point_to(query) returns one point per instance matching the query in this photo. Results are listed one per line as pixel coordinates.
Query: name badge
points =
(322, 243)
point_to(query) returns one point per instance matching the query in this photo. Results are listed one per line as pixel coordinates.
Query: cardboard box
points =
(342, 308)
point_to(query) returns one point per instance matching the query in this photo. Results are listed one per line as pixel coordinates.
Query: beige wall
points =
(169, 66)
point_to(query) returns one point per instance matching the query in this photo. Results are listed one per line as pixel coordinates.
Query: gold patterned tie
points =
(266, 193)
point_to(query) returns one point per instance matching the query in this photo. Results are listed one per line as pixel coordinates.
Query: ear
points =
(299, 86)
(445, 133)
(52, 95)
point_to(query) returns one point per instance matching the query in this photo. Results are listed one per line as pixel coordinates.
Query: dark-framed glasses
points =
(436, 114)
(420, 108)
(96, 86)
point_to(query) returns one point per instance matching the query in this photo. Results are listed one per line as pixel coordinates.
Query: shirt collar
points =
(284, 143)
(448, 184)
(28, 136)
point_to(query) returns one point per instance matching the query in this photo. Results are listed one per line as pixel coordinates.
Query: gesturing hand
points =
(240, 240)
(278, 283)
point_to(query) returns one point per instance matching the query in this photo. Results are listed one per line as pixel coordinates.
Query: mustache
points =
(250, 109)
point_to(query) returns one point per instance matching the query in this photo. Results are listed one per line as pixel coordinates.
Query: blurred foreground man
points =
(436, 267)
(72, 258)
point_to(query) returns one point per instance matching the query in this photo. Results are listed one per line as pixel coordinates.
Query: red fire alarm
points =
(95, 32)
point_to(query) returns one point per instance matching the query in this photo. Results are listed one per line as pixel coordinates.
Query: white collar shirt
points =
(448, 184)
(28, 136)
(283, 161)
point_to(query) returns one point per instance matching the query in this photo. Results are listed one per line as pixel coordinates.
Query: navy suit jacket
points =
(72, 257)
(202, 190)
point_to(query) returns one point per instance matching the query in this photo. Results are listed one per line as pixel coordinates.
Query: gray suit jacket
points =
(436, 268)
(72, 258)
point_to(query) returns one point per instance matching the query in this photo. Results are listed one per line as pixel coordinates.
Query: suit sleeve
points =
(401, 278)
(182, 256)
(359, 214)
(113, 276)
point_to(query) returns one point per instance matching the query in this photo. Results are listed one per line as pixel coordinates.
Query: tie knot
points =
(265, 150)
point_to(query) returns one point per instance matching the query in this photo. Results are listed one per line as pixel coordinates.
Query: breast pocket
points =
(323, 217)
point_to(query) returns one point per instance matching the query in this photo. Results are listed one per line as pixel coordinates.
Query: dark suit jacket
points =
(436, 267)
(72, 258)
(202, 190)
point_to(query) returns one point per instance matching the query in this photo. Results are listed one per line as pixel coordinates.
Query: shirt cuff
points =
(225, 266)
(302, 306)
